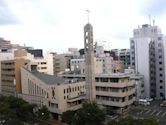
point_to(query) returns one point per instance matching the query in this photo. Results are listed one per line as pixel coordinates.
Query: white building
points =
(148, 59)
(101, 65)
(78, 65)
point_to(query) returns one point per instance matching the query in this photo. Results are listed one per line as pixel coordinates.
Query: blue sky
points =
(55, 25)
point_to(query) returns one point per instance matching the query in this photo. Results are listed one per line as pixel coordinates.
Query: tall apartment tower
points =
(148, 49)
(89, 62)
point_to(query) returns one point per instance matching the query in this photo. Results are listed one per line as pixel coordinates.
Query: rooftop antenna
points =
(88, 11)
(153, 22)
(150, 19)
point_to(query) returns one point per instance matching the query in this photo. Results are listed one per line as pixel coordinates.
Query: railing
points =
(118, 84)
(115, 94)
(116, 104)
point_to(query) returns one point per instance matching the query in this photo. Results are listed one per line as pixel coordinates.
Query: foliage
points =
(43, 113)
(14, 109)
(89, 114)
(151, 121)
(68, 117)
(131, 121)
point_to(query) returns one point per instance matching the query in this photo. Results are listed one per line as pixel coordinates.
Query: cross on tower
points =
(88, 11)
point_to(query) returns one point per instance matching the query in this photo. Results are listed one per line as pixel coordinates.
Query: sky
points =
(56, 25)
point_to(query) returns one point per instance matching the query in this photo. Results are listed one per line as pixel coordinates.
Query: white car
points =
(149, 100)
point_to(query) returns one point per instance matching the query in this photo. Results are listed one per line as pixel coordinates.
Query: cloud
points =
(6, 15)
(33, 12)
(153, 7)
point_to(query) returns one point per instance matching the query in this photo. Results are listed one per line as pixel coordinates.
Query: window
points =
(104, 79)
(159, 38)
(64, 91)
(114, 80)
(160, 56)
(86, 33)
(161, 94)
(159, 45)
(43, 67)
(160, 62)
(159, 50)
(161, 75)
(160, 69)
(97, 80)
(161, 87)
(123, 99)
(43, 63)
(161, 81)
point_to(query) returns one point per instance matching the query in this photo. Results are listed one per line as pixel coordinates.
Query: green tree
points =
(126, 121)
(89, 114)
(14, 109)
(151, 121)
(131, 121)
(43, 113)
(68, 117)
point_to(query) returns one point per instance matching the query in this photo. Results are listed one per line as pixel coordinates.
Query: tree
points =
(89, 114)
(126, 121)
(151, 121)
(131, 121)
(68, 117)
(43, 113)
(14, 109)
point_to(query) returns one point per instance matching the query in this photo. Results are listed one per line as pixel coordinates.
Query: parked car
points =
(143, 102)
(149, 99)
(163, 104)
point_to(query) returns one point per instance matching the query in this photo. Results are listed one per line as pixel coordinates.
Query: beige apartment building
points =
(116, 92)
(57, 93)
(11, 76)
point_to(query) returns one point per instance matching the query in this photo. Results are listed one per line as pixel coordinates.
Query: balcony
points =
(115, 94)
(116, 104)
(55, 110)
(75, 107)
(8, 72)
(7, 66)
(116, 85)
(81, 97)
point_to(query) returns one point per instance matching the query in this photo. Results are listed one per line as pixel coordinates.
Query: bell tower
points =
(89, 61)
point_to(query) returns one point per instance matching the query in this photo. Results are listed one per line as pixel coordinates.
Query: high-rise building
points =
(148, 47)
(89, 62)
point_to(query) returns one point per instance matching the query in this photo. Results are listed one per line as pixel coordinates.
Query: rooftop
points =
(50, 79)
(111, 75)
